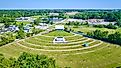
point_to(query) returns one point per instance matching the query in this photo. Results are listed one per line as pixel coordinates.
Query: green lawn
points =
(59, 33)
(68, 55)
(102, 57)
(86, 29)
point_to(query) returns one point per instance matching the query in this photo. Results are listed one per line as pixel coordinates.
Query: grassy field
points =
(98, 55)
(59, 33)
(86, 29)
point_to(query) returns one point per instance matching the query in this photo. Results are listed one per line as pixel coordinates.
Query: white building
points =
(74, 20)
(13, 28)
(55, 19)
(99, 22)
(71, 13)
(42, 26)
(59, 40)
(26, 19)
(27, 29)
(59, 27)
(54, 14)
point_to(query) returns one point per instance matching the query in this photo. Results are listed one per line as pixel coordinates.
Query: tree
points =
(115, 38)
(20, 34)
(26, 60)
(7, 38)
(7, 24)
(36, 31)
(37, 21)
(118, 22)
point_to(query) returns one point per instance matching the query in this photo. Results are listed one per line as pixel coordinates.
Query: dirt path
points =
(88, 51)
(61, 50)
(60, 46)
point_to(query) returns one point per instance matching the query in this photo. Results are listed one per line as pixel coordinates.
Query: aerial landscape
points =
(60, 34)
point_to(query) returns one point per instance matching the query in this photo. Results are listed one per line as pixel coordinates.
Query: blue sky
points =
(41, 4)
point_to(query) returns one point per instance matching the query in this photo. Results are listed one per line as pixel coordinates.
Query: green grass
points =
(36, 16)
(103, 56)
(59, 33)
(57, 47)
(89, 29)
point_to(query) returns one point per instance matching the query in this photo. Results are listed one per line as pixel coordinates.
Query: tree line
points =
(27, 60)
(105, 36)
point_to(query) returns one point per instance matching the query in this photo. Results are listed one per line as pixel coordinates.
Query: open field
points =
(89, 29)
(97, 55)
(59, 33)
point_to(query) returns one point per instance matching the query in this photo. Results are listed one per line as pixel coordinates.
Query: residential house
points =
(27, 29)
(59, 27)
(42, 26)
(13, 28)
(26, 19)
(99, 22)
(71, 13)
(55, 19)
(74, 20)
(53, 14)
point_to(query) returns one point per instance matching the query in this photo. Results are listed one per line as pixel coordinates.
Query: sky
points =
(51, 4)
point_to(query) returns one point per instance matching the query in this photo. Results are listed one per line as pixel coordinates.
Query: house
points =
(27, 29)
(102, 23)
(42, 26)
(13, 28)
(95, 20)
(55, 19)
(26, 19)
(53, 14)
(74, 20)
(71, 13)
(59, 40)
(59, 27)
(99, 22)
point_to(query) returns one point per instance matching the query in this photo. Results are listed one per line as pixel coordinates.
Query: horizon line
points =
(56, 8)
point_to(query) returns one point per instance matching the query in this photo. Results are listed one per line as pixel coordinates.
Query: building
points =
(95, 20)
(102, 23)
(42, 26)
(53, 14)
(26, 19)
(59, 27)
(74, 20)
(99, 22)
(71, 13)
(59, 40)
(13, 28)
(55, 19)
(27, 29)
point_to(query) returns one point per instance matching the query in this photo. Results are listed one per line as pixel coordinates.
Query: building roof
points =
(74, 20)
(59, 27)
(59, 40)
(53, 14)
